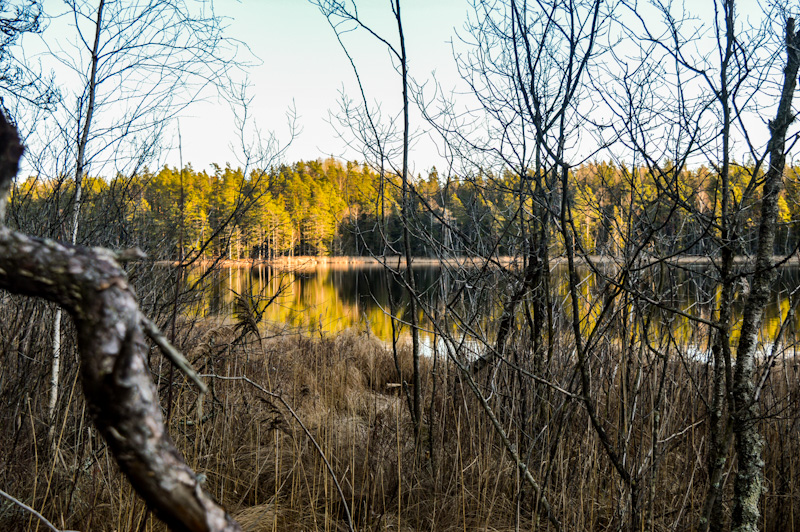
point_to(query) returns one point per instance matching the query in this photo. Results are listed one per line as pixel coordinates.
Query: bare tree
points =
(18, 81)
(527, 65)
(376, 142)
(648, 115)
(732, 78)
(115, 373)
(749, 479)
(133, 67)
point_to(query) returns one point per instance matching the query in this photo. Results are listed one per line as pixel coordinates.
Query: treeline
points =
(330, 208)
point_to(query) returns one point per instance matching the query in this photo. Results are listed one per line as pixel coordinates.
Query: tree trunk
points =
(404, 214)
(749, 481)
(90, 285)
(713, 518)
(80, 163)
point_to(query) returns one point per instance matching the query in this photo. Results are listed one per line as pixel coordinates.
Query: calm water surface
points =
(326, 300)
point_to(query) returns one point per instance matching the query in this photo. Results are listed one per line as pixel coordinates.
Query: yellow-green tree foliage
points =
(347, 208)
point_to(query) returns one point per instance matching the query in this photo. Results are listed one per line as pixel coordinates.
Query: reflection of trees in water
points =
(365, 286)
(344, 298)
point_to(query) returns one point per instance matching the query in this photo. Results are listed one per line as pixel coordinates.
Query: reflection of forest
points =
(330, 300)
(322, 299)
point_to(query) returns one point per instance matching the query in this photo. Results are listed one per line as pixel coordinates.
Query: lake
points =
(327, 299)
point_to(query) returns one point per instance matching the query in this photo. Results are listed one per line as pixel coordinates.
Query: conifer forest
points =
(558, 291)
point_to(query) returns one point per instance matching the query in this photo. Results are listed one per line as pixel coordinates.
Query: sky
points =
(296, 63)
(302, 65)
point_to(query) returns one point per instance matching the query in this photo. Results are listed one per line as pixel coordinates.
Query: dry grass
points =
(260, 463)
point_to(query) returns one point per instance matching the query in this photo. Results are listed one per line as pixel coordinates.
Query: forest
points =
(598, 161)
(333, 208)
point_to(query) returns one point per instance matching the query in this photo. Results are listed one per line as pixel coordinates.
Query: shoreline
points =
(396, 261)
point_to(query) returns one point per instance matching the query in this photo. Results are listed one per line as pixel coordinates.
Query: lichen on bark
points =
(90, 284)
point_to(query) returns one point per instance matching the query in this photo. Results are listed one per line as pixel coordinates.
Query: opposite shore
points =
(397, 261)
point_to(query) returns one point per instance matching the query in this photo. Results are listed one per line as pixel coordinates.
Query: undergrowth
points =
(345, 390)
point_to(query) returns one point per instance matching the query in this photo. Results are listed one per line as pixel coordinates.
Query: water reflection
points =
(326, 300)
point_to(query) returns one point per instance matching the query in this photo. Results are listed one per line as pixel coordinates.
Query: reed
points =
(259, 459)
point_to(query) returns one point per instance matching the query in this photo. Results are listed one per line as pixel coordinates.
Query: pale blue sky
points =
(298, 62)
(302, 63)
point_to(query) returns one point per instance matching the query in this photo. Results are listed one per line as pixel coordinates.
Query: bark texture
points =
(749, 479)
(90, 285)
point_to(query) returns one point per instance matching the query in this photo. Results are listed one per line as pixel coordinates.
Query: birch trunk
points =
(80, 162)
(748, 441)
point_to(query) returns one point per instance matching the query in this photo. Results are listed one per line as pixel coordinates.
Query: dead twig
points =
(305, 429)
(172, 353)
